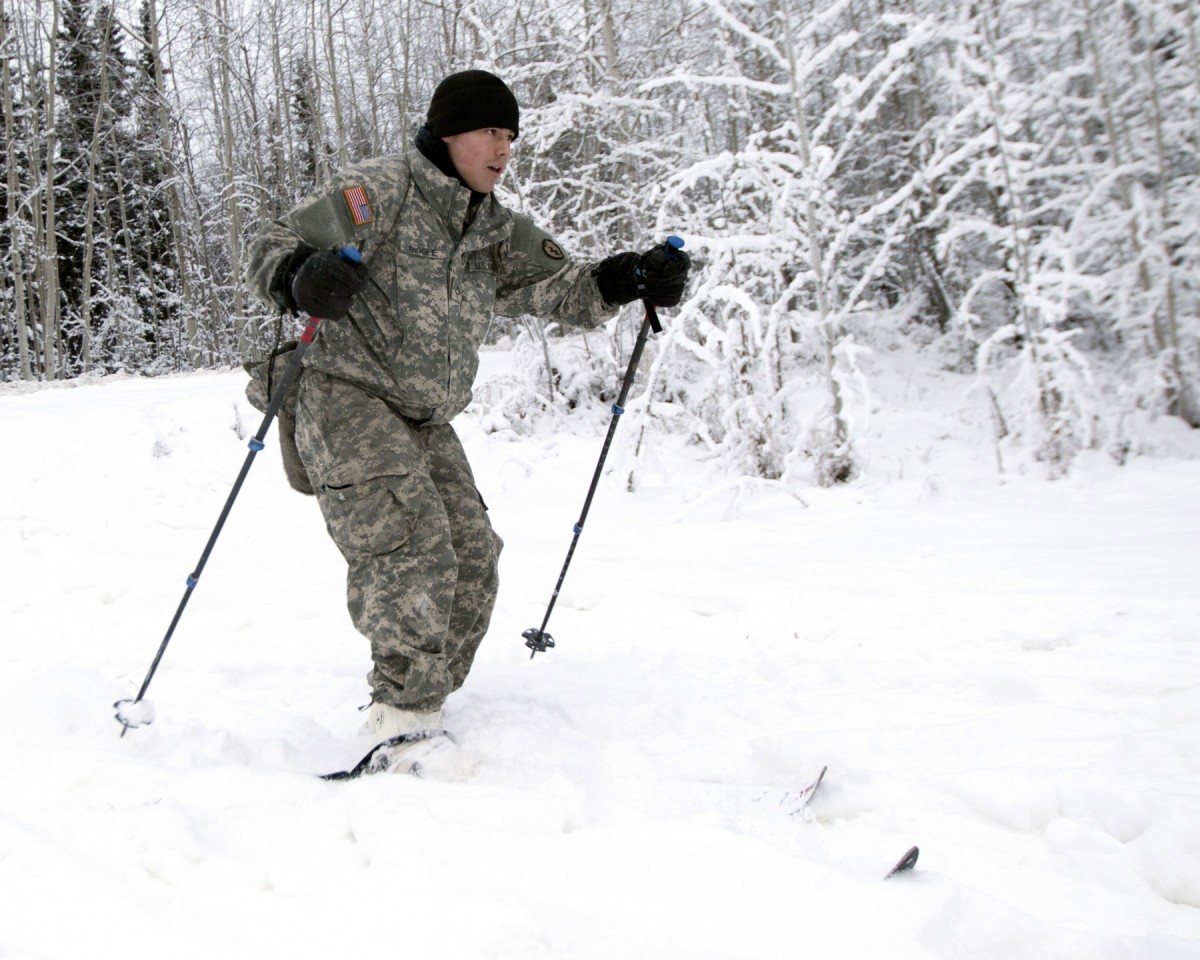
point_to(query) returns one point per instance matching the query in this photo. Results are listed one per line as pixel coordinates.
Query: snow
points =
(1000, 669)
(133, 713)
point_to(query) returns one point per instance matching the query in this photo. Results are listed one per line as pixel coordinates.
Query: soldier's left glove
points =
(658, 275)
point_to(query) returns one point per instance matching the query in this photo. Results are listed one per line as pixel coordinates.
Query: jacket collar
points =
(450, 199)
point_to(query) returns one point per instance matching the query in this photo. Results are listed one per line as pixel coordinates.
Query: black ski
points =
(379, 757)
(905, 863)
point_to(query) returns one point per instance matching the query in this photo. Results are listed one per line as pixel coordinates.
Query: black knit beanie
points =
(472, 100)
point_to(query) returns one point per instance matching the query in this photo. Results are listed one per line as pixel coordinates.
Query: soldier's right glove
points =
(323, 283)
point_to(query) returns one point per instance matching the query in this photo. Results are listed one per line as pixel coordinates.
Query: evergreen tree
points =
(91, 182)
(152, 336)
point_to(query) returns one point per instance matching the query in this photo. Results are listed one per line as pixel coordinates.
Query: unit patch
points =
(552, 250)
(360, 208)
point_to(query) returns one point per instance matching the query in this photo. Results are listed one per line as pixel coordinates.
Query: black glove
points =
(658, 275)
(322, 283)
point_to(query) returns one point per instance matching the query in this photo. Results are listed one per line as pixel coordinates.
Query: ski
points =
(380, 756)
(905, 863)
(798, 801)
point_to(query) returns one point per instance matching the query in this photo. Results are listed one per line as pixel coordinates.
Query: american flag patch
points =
(360, 207)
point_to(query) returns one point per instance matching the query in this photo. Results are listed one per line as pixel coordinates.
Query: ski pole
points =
(136, 712)
(536, 638)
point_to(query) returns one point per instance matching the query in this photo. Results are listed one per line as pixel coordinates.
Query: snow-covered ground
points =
(1004, 671)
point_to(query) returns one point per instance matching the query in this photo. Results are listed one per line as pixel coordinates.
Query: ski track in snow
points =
(1004, 673)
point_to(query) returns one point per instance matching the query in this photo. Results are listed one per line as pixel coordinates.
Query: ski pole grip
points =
(672, 245)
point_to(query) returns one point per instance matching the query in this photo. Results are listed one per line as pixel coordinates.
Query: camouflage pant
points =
(400, 502)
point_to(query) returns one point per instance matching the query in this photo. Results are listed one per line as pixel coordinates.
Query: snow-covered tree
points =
(1019, 181)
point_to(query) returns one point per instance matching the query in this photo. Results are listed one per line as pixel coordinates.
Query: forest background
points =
(1012, 186)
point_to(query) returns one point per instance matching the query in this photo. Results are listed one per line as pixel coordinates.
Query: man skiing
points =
(440, 255)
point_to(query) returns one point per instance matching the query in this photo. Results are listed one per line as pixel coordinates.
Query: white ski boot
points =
(415, 742)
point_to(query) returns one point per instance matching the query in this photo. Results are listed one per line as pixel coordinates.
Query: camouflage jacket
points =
(413, 336)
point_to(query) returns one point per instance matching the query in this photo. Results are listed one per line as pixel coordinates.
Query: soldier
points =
(395, 363)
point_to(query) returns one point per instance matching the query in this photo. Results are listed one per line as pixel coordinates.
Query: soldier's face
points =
(480, 156)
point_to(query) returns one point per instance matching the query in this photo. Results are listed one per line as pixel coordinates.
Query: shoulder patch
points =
(552, 249)
(360, 207)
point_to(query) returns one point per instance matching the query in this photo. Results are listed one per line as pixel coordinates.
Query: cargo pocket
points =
(373, 517)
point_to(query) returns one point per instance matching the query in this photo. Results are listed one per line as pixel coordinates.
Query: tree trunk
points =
(334, 85)
(13, 187)
(233, 205)
(89, 221)
(48, 268)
